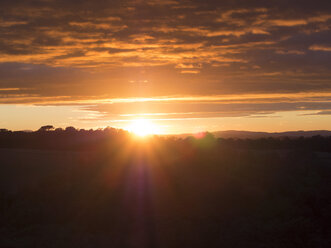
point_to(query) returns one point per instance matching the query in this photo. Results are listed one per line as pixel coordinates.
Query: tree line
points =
(50, 138)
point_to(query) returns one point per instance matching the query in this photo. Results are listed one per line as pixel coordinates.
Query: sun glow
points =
(143, 127)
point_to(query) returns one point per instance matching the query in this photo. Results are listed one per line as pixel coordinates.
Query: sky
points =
(187, 66)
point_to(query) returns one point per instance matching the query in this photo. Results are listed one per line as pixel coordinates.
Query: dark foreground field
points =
(103, 189)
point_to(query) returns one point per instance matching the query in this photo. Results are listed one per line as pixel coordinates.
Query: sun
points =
(143, 127)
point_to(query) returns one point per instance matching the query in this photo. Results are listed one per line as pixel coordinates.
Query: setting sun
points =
(143, 127)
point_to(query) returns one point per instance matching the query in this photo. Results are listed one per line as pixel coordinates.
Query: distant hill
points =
(256, 135)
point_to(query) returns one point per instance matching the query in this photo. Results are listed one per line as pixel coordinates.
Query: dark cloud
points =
(212, 107)
(94, 49)
(324, 112)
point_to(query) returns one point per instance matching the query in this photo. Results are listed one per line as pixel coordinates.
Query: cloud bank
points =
(62, 52)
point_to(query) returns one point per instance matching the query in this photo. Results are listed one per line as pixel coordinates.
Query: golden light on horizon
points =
(143, 127)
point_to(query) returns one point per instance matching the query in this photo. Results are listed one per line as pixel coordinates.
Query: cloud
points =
(9, 89)
(169, 108)
(324, 48)
(94, 49)
(324, 112)
(288, 23)
(189, 72)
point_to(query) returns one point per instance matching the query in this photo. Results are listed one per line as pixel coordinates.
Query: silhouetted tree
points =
(46, 128)
(70, 129)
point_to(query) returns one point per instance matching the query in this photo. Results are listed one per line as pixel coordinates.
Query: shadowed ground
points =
(165, 193)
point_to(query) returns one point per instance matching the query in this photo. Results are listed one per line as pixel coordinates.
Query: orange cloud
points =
(326, 48)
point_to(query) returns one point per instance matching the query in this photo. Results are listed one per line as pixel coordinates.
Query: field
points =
(165, 192)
